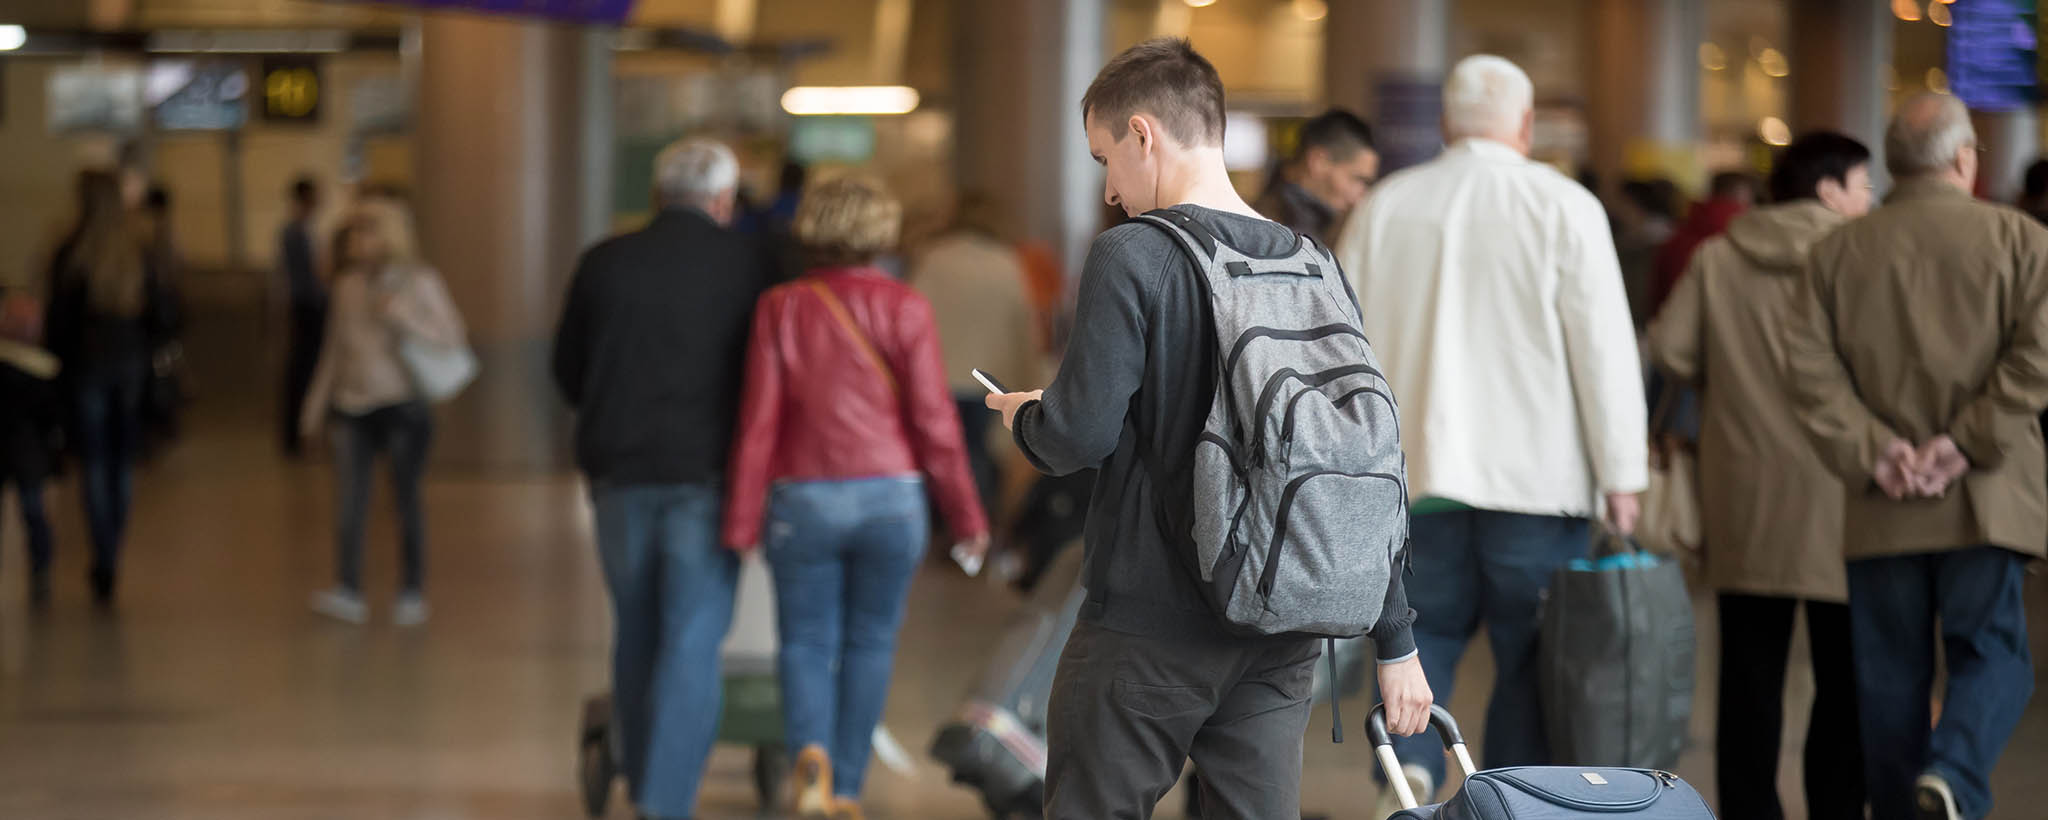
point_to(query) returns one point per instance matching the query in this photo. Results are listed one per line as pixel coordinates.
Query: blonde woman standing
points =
(382, 296)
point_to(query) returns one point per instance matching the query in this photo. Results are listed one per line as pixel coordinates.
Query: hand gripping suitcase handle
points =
(1383, 747)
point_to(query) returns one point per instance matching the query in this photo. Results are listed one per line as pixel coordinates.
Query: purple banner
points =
(606, 12)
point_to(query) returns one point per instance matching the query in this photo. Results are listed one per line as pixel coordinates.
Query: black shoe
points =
(102, 581)
(39, 590)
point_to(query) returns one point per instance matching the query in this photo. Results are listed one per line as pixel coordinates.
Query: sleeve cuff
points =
(1391, 661)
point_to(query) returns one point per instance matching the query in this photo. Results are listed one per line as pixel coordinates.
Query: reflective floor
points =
(212, 693)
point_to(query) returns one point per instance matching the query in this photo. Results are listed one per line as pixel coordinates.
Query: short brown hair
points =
(1163, 77)
(847, 221)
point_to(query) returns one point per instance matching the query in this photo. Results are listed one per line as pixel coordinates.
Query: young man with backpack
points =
(1235, 521)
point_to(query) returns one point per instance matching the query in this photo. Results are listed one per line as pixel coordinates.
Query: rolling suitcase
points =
(996, 743)
(1538, 792)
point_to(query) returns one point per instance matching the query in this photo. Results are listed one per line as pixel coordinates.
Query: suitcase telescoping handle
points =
(1383, 747)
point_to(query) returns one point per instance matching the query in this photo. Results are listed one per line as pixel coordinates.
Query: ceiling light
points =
(12, 37)
(1774, 131)
(1907, 10)
(1937, 81)
(817, 100)
(1939, 15)
(1200, 4)
(1712, 58)
(1311, 10)
(1773, 63)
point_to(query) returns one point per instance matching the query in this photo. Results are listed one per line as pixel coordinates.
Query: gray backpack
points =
(1300, 489)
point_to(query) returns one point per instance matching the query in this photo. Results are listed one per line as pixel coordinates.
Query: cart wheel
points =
(771, 771)
(594, 763)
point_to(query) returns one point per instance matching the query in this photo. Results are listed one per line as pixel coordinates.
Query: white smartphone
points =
(989, 382)
(969, 562)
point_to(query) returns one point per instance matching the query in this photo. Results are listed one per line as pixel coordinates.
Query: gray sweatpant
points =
(1127, 712)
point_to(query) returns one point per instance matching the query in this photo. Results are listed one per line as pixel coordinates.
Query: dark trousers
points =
(1128, 712)
(308, 328)
(109, 431)
(1756, 637)
(34, 518)
(975, 420)
(1893, 606)
(402, 432)
(1479, 566)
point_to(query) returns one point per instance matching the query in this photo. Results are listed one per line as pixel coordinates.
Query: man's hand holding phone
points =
(1000, 399)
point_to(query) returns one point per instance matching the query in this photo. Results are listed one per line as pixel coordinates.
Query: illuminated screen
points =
(1991, 54)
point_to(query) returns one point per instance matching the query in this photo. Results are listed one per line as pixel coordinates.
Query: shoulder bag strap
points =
(860, 338)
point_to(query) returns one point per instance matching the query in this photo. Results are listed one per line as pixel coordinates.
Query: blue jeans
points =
(34, 519)
(1478, 566)
(672, 592)
(842, 553)
(109, 430)
(1893, 605)
(402, 432)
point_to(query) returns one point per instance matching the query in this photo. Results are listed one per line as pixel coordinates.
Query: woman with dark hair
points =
(1773, 512)
(104, 315)
(845, 416)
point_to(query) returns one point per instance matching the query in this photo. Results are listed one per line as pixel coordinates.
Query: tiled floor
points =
(213, 694)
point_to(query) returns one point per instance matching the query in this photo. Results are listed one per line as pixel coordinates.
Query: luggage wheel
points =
(595, 768)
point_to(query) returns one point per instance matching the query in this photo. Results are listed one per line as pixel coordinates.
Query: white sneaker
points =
(1419, 782)
(411, 610)
(1934, 800)
(342, 605)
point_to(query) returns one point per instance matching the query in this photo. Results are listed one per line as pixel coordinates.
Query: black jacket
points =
(650, 349)
(29, 412)
(1139, 374)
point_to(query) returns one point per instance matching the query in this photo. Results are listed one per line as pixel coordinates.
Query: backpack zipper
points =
(1271, 573)
(1270, 393)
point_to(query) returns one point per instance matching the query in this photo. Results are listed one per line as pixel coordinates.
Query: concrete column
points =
(2011, 140)
(1020, 70)
(1839, 50)
(511, 133)
(1643, 112)
(1385, 60)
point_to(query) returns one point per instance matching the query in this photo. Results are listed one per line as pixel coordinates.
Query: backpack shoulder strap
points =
(1199, 243)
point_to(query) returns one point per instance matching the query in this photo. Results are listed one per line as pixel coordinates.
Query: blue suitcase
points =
(1538, 792)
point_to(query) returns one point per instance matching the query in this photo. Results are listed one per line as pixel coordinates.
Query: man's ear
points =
(1148, 137)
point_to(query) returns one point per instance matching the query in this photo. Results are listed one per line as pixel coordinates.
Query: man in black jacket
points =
(1151, 677)
(649, 354)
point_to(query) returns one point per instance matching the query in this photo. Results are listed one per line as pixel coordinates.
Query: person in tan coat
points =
(1918, 365)
(1772, 510)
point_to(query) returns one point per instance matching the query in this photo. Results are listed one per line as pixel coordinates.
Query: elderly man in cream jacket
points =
(1490, 289)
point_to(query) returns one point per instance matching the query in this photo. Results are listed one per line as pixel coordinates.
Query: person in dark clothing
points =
(1332, 168)
(306, 295)
(1730, 194)
(102, 320)
(29, 413)
(2034, 191)
(1151, 676)
(650, 354)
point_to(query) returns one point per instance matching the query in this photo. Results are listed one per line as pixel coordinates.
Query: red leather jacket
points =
(814, 407)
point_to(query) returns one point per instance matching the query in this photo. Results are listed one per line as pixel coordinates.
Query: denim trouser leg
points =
(672, 587)
(411, 431)
(842, 553)
(36, 520)
(1893, 604)
(1478, 566)
(355, 452)
(1443, 589)
(109, 432)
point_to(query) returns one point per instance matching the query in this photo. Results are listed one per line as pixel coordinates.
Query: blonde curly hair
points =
(849, 220)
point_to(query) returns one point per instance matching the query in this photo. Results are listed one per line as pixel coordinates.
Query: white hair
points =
(1926, 134)
(695, 171)
(1486, 96)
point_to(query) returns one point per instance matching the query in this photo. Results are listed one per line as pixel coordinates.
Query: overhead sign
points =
(197, 96)
(1991, 54)
(291, 89)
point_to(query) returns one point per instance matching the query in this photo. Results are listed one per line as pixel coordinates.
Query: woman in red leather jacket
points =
(845, 417)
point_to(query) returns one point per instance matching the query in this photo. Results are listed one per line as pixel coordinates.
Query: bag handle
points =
(860, 338)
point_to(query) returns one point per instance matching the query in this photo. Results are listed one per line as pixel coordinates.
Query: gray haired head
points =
(695, 172)
(1927, 134)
